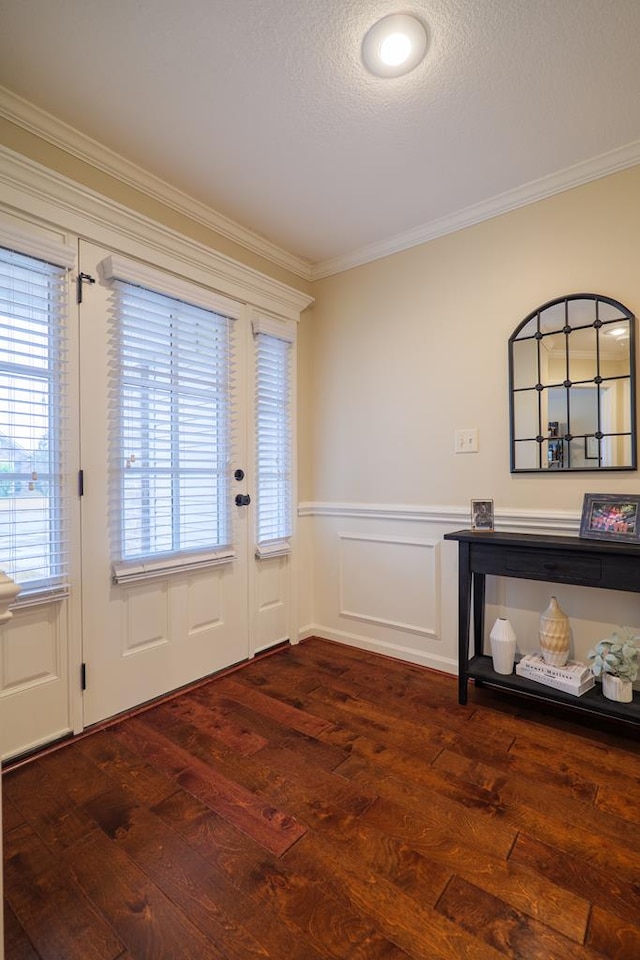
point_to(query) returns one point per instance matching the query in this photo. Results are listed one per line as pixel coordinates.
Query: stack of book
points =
(573, 677)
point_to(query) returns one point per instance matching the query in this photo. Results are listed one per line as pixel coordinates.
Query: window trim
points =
(139, 274)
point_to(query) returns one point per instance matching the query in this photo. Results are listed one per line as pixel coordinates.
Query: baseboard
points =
(397, 652)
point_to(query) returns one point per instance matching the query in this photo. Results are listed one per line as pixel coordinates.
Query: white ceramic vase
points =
(503, 646)
(615, 688)
(555, 635)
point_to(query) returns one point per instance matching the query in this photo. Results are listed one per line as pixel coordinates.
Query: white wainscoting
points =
(383, 579)
(391, 581)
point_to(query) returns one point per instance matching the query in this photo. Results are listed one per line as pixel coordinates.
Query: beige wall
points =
(398, 355)
(409, 348)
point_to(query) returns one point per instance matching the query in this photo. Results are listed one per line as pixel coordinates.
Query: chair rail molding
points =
(511, 518)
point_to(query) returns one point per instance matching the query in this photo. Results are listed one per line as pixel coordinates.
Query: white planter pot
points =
(616, 689)
(503, 646)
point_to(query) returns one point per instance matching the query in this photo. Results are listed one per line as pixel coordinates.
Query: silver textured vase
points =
(555, 635)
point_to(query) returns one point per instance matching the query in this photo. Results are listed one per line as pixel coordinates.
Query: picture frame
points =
(607, 516)
(555, 454)
(482, 516)
(591, 448)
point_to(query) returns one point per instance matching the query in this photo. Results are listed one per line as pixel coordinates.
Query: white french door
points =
(154, 625)
(139, 628)
(138, 637)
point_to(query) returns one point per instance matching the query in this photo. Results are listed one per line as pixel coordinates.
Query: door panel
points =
(34, 694)
(144, 638)
(272, 602)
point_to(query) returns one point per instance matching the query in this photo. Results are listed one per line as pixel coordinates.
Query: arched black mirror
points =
(572, 387)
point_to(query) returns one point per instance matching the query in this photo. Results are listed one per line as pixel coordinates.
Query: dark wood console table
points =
(588, 563)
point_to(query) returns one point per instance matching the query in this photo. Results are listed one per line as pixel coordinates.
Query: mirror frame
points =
(538, 336)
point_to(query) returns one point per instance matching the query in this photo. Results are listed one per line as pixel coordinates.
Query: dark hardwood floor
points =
(326, 802)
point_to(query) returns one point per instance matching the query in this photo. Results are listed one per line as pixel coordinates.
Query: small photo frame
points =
(608, 516)
(482, 515)
(591, 448)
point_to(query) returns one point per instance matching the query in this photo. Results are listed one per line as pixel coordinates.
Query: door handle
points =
(243, 500)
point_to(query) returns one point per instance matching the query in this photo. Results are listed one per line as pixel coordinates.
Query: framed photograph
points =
(555, 454)
(611, 517)
(482, 515)
(591, 449)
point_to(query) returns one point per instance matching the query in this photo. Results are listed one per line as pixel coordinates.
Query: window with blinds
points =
(34, 528)
(273, 437)
(171, 433)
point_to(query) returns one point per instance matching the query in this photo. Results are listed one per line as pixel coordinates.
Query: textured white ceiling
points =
(262, 110)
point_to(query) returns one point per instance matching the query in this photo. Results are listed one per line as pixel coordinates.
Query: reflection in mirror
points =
(527, 453)
(583, 355)
(525, 367)
(614, 349)
(526, 413)
(572, 380)
(610, 310)
(553, 319)
(580, 312)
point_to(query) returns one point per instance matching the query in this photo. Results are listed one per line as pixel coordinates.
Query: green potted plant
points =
(616, 660)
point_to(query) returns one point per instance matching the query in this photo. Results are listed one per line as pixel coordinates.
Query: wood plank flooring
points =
(324, 802)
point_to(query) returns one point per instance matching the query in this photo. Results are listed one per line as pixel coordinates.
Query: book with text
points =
(574, 687)
(573, 671)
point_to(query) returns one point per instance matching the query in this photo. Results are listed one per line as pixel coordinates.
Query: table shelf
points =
(588, 563)
(480, 669)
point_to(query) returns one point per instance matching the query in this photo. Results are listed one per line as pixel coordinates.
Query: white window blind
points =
(171, 434)
(34, 503)
(273, 437)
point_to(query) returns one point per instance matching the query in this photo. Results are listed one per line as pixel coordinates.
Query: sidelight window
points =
(34, 529)
(273, 435)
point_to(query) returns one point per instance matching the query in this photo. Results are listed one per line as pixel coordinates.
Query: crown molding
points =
(52, 198)
(541, 189)
(42, 124)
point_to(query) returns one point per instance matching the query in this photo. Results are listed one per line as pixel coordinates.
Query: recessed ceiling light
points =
(618, 332)
(394, 45)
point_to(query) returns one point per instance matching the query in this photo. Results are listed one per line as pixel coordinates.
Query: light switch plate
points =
(466, 441)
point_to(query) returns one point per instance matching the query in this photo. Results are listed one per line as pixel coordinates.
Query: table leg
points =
(464, 612)
(478, 613)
